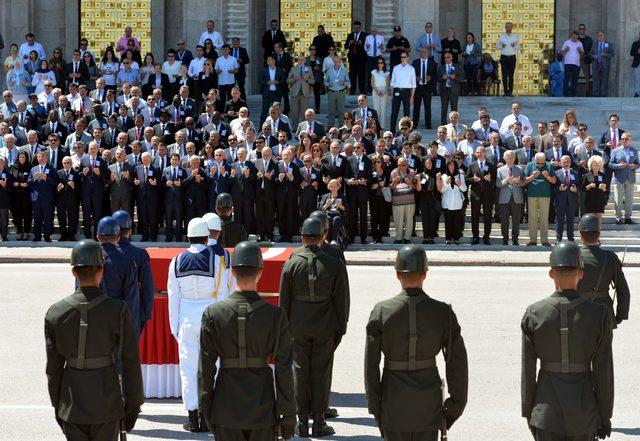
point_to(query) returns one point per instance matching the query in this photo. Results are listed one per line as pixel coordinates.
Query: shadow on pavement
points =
(347, 400)
(170, 434)
(626, 430)
(359, 421)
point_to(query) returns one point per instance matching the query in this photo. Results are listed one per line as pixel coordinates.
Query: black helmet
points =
(87, 252)
(224, 201)
(411, 259)
(589, 223)
(322, 216)
(247, 254)
(123, 219)
(566, 254)
(312, 227)
(108, 227)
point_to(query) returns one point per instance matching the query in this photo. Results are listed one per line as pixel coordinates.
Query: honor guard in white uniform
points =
(214, 223)
(197, 278)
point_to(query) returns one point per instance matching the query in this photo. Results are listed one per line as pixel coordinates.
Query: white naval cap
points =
(213, 221)
(197, 228)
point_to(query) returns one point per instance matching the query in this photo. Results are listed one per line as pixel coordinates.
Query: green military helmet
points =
(87, 252)
(312, 227)
(247, 254)
(411, 259)
(322, 216)
(224, 200)
(566, 254)
(589, 223)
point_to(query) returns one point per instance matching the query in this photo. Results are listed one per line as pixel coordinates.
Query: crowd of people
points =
(163, 140)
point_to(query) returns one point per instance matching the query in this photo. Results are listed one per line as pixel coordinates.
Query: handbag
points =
(386, 193)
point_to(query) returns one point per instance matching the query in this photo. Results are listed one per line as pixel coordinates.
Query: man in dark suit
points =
(265, 185)
(157, 80)
(288, 183)
(363, 112)
(334, 165)
(566, 197)
(53, 126)
(148, 180)
(609, 140)
(136, 133)
(554, 156)
(191, 134)
(43, 181)
(514, 140)
(284, 62)
(272, 36)
(483, 133)
(270, 80)
(358, 178)
(481, 179)
(165, 129)
(242, 179)
(310, 126)
(172, 179)
(121, 182)
(94, 174)
(55, 152)
(635, 64)
(67, 188)
(219, 126)
(77, 71)
(426, 69)
(196, 185)
(182, 54)
(124, 120)
(242, 56)
(357, 57)
(311, 179)
(448, 87)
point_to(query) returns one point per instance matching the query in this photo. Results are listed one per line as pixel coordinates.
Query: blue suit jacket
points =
(617, 157)
(43, 190)
(566, 196)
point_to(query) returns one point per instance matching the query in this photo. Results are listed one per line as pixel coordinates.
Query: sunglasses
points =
(312, 49)
(382, 62)
(404, 56)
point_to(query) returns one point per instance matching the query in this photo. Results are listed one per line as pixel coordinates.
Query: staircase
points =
(236, 20)
(384, 17)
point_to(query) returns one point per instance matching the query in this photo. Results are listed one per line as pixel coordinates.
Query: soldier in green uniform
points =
(83, 333)
(410, 329)
(572, 397)
(232, 232)
(602, 269)
(247, 401)
(313, 291)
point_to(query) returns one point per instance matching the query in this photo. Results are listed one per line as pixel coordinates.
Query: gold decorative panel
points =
(534, 23)
(299, 21)
(103, 23)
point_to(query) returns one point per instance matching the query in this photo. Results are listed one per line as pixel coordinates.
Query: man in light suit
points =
(510, 182)
(313, 128)
(121, 179)
(448, 87)
(364, 112)
(601, 52)
(300, 81)
(566, 197)
(624, 162)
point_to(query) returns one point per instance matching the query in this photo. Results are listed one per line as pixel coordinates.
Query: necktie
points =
(557, 155)
(93, 162)
(41, 169)
(138, 134)
(429, 39)
(600, 50)
(53, 158)
(68, 175)
(146, 173)
(482, 167)
(309, 128)
(174, 174)
(235, 53)
(424, 71)
(614, 141)
(375, 47)
(75, 68)
(566, 177)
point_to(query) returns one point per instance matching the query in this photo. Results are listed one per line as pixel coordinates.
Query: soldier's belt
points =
(311, 299)
(409, 365)
(569, 368)
(91, 363)
(249, 362)
(595, 294)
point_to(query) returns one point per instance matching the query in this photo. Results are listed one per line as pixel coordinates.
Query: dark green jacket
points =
(329, 313)
(569, 404)
(597, 261)
(409, 401)
(232, 234)
(245, 398)
(92, 396)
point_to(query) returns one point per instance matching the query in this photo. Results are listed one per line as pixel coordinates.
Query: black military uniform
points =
(572, 396)
(602, 269)
(410, 329)
(247, 401)
(83, 332)
(313, 293)
(232, 232)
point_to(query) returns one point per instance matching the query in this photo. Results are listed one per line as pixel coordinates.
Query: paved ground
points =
(489, 303)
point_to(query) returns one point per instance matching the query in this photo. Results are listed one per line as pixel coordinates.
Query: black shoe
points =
(203, 424)
(192, 424)
(320, 428)
(515, 243)
(406, 241)
(475, 241)
(364, 242)
(629, 221)
(429, 127)
(636, 95)
(425, 242)
(47, 239)
(36, 239)
(486, 241)
(303, 429)
(330, 413)
(505, 241)
(619, 221)
(397, 242)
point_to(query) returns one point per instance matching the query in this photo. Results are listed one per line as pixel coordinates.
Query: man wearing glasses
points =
(374, 47)
(449, 87)
(403, 87)
(183, 55)
(587, 44)
(425, 68)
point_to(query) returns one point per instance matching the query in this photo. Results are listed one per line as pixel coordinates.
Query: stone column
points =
(413, 14)
(157, 29)
(625, 18)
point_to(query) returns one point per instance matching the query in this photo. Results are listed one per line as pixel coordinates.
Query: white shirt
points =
(371, 42)
(215, 37)
(172, 70)
(272, 76)
(493, 124)
(573, 55)
(446, 147)
(188, 291)
(403, 77)
(45, 98)
(452, 198)
(195, 67)
(504, 44)
(511, 119)
(468, 149)
(25, 49)
(225, 64)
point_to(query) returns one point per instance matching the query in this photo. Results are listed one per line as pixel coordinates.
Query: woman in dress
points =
(452, 187)
(147, 67)
(92, 69)
(379, 206)
(569, 125)
(430, 205)
(594, 187)
(18, 82)
(109, 68)
(471, 56)
(22, 196)
(42, 74)
(488, 72)
(210, 51)
(335, 205)
(380, 84)
(207, 80)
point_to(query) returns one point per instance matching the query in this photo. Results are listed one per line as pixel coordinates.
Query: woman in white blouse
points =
(452, 186)
(109, 68)
(380, 82)
(569, 125)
